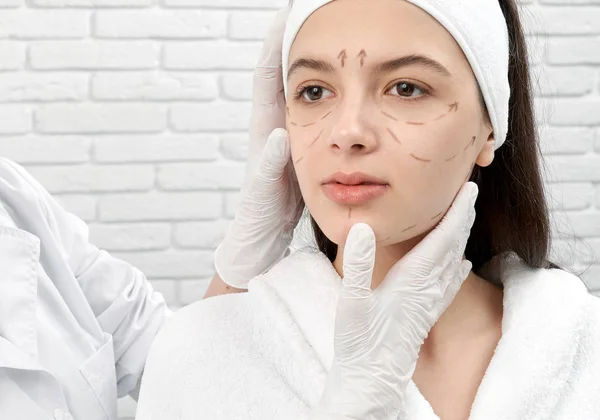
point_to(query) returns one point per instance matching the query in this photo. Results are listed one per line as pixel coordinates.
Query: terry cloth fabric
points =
(265, 354)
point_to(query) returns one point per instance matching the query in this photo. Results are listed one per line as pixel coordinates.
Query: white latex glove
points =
(378, 333)
(271, 203)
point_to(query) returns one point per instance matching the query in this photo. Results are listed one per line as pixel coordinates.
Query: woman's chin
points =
(385, 232)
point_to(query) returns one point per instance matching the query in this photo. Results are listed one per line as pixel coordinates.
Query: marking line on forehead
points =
(342, 56)
(362, 55)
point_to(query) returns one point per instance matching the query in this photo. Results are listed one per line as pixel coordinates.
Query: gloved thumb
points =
(276, 154)
(359, 260)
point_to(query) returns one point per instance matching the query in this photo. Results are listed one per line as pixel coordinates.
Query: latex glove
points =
(271, 203)
(378, 333)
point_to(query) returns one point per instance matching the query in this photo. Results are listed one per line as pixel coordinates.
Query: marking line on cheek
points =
(389, 116)
(308, 125)
(384, 239)
(362, 55)
(315, 140)
(349, 212)
(342, 56)
(419, 159)
(298, 160)
(414, 123)
(394, 136)
(453, 107)
(471, 143)
(440, 117)
(452, 158)
(409, 228)
(288, 110)
(437, 215)
(326, 115)
(293, 123)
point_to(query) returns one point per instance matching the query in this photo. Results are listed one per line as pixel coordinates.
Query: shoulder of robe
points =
(196, 347)
(218, 316)
(552, 293)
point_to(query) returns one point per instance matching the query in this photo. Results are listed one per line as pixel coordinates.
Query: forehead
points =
(378, 25)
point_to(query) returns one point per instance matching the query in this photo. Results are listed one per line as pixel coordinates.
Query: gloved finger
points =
(275, 157)
(454, 228)
(453, 285)
(268, 82)
(359, 260)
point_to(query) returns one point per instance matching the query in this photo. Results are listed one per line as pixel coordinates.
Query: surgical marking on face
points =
(440, 117)
(437, 215)
(362, 55)
(288, 110)
(342, 56)
(471, 143)
(310, 124)
(419, 159)
(315, 140)
(453, 107)
(452, 158)
(298, 160)
(326, 115)
(409, 228)
(349, 212)
(389, 116)
(394, 136)
(385, 239)
(414, 123)
(293, 123)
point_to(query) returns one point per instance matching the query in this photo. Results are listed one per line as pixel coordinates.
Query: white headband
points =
(479, 28)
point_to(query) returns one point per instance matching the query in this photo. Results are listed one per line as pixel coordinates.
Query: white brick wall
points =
(133, 113)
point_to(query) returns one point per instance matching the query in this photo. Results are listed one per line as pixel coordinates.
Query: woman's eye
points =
(314, 93)
(407, 90)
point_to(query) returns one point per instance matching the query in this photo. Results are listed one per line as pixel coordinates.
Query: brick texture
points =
(133, 114)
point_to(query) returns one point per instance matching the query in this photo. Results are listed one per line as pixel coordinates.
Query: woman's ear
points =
(486, 155)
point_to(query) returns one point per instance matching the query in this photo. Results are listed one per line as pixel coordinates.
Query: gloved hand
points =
(271, 203)
(378, 333)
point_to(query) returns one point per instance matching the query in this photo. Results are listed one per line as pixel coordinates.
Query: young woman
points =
(392, 106)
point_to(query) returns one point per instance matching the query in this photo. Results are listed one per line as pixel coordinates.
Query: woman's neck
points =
(476, 307)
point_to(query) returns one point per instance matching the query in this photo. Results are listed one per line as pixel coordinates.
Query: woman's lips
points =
(353, 194)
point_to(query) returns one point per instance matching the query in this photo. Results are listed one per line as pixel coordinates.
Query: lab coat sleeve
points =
(122, 299)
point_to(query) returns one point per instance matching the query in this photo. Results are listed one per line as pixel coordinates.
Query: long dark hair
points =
(512, 213)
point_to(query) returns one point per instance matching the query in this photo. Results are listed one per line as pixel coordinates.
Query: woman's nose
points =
(352, 132)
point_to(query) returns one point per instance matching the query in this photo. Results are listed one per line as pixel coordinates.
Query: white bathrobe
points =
(264, 354)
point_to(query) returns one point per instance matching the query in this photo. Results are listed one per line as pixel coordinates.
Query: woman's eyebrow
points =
(411, 60)
(311, 64)
(385, 67)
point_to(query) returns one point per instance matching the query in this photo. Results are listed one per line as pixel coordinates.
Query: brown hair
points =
(512, 214)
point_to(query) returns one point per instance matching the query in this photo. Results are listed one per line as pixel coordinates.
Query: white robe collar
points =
(543, 314)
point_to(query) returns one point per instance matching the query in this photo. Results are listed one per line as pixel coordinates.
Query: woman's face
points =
(380, 95)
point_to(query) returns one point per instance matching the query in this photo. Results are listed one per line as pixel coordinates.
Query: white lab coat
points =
(75, 323)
